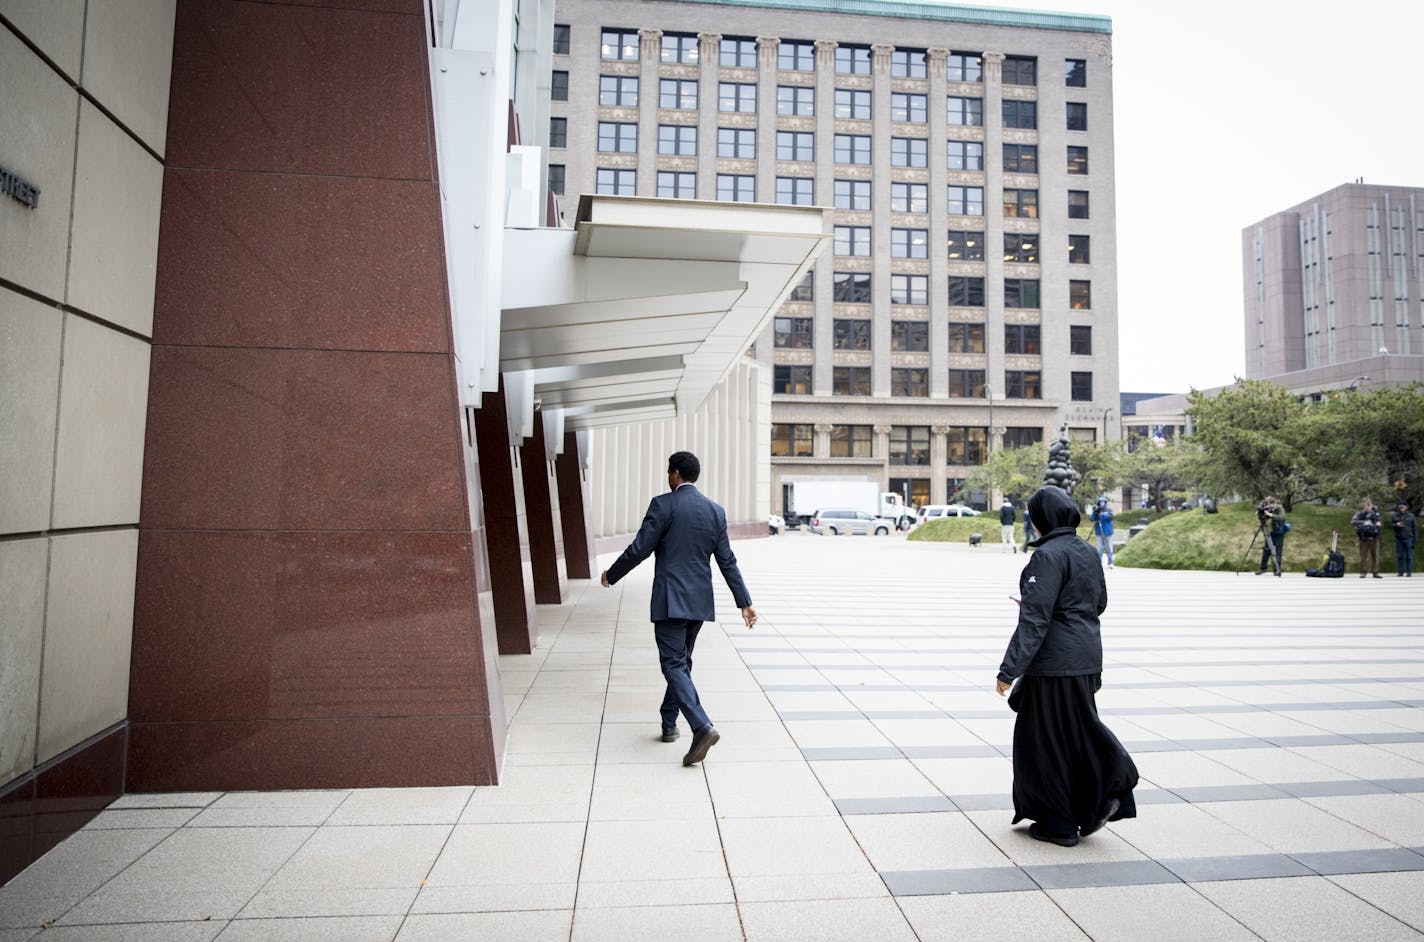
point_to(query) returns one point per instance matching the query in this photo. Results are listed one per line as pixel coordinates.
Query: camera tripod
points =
(1273, 554)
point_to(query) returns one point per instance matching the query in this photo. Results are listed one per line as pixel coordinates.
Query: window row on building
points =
(623, 44)
(913, 382)
(855, 287)
(906, 444)
(854, 333)
(961, 245)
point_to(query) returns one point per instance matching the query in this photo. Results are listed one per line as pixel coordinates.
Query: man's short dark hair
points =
(686, 465)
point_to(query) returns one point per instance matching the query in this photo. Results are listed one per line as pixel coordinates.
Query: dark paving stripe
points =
(945, 882)
(1137, 745)
(1333, 789)
(927, 804)
(1246, 867)
(1108, 873)
(1387, 860)
(851, 752)
(1117, 685)
(1198, 794)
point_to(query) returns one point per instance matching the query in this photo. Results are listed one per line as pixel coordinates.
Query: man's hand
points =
(604, 578)
(749, 616)
(1000, 687)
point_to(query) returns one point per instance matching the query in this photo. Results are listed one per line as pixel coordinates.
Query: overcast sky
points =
(1228, 112)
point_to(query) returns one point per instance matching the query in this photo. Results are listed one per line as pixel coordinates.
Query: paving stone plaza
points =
(861, 790)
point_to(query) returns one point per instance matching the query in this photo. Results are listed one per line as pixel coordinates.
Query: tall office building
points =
(971, 299)
(1334, 292)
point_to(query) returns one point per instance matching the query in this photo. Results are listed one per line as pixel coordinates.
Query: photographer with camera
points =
(1271, 520)
(1366, 522)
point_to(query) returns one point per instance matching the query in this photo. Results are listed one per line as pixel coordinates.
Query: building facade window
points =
(1021, 203)
(1079, 249)
(966, 291)
(795, 145)
(852, 241)
(1020, 70)
(909, 63)
(850, 333)
(792, 440)
(1080, 340)
(851, 441)
(795, 56)
(965, 112)
(912, 108)
(736, 188)
(910, 382)
(736, 97)
(1081, 386)
(965, 445)
(736, 142)
(852, 148)
(556, 178)
(795, 191)
(966, 384)
(1020, 114)
(619, 44)
(680, 94)
(677, 185)
(965, 245)
(909, 197)
(791, 380)
(850, 287)
(853, 60)
(737, 52)
(965, 200)
(1023, 384)
(909, 289)
(1078, 204)
(679, 140)
(617, 90)
(1077, 115)
(964, 67)
(558, 132)
(853, 103)
(617, 137)
(910, 444)
(1080, 295)
(967, 338)
(559, 86)
(1022, 339)
(561, 39)
(1078, 160)
(909, 243)
(964, 155)
(795, 100)
(910, 336)
(1021, 247)
(1021, 292)
(909, 152)
(679, 47)
(1021, 158)
(616, 182)
(1022, 436)
(805, 289)
(1075, 73)
(792, 333)
(850, 381)
(852, 194)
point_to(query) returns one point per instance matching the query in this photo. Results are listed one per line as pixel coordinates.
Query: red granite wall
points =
(310, 556)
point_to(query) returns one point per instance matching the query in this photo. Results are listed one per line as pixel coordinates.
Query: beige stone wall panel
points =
(23, 564)
(29, 388)
(56, 27)
(128, 55)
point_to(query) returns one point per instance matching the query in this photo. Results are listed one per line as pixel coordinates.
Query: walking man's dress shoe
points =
(670, 734)
(1062, 840)
(1109, 810)
(701, 742)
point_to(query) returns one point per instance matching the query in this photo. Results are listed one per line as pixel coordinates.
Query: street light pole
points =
(1106, 412)
(989, 436)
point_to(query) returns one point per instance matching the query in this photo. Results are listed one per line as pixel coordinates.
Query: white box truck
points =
(803, 497)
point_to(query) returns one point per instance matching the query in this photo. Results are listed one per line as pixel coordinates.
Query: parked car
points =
(836, 521)
(935, 511)
(775, 524)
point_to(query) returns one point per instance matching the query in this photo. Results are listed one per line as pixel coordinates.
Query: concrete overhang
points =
(639, 311)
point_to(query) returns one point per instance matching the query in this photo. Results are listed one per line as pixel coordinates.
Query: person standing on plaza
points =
(1272, 517)
(1103, 529)
(1071, 774)
(684, 530)
(1007, 516)
(1366, 522)
(1402, 522)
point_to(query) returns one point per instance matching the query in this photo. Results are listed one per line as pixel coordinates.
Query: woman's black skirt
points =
(1067, 764)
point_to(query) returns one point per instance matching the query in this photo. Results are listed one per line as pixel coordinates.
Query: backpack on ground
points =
(1334, 567)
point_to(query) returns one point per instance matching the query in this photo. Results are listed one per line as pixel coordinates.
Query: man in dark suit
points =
(684, 529)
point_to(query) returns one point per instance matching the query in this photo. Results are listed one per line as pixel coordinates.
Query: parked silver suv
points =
(837, 520)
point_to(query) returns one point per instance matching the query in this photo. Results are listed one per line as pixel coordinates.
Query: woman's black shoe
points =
(1062, 840)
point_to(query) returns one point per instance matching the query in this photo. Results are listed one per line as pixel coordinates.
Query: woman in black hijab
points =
(1071, 775)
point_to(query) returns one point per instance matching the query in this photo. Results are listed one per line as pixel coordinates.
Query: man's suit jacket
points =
(685, 530)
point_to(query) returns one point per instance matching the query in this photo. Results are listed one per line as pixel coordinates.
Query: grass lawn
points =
(1192, 539)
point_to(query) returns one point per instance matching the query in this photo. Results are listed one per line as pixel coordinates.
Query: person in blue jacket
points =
(1103, 529)
(684, 530)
